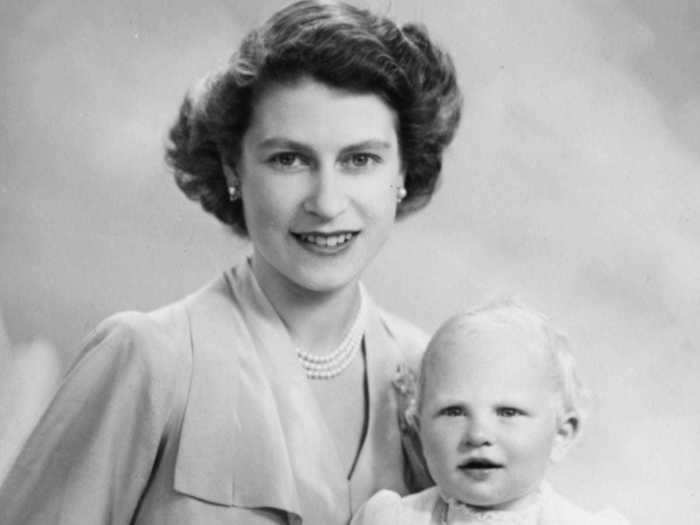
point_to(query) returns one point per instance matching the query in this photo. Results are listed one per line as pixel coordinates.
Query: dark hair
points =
(337, 44)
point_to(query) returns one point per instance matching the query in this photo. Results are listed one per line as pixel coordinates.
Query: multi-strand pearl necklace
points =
(328, 366)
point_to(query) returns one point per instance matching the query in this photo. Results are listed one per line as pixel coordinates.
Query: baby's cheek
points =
(440, 445)
(537, 447)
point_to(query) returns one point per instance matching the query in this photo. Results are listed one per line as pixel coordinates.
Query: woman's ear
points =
(567, 432)
(232, 181)
(230, 174)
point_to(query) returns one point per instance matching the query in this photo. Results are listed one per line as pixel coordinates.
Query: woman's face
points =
(319, 172)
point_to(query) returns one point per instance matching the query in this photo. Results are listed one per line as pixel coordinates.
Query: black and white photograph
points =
(350, 262)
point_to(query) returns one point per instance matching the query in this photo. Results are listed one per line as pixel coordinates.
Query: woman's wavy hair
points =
(344, 47)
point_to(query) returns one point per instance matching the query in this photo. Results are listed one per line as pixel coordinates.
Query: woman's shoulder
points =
(150, 338)
(158, 338)
(409, 337)
(151, 347)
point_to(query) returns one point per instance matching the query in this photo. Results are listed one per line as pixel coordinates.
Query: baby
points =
(498, 400)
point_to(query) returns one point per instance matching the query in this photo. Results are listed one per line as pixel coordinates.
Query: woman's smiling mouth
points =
(326, 243)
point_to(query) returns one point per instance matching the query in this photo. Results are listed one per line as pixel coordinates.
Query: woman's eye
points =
(453, 411)
(287, 160)
(360, 160)
(509, 412)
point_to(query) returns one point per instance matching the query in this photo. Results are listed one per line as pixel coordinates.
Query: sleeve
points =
(411, 340)
(381, 509)
(90, 457)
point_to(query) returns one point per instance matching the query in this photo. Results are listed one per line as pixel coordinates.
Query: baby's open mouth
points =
(479, 464)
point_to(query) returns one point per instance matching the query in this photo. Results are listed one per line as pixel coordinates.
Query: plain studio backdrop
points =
(574, 182)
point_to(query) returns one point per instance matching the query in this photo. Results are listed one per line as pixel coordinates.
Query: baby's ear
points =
(567, 432)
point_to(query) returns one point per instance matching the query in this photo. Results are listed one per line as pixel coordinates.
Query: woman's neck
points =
(316, 321)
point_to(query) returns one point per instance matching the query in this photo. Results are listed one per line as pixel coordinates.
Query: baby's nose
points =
(477, 432)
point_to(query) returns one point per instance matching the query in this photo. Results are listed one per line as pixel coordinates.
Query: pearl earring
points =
(233, 193)
(401, 193)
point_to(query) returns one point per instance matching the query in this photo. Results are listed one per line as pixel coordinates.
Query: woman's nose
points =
(327, 198)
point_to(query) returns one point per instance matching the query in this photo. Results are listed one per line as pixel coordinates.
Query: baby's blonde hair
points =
(511, 313)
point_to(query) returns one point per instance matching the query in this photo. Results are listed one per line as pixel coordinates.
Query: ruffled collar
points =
(457, 513)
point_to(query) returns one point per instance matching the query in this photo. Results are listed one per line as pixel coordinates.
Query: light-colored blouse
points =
(200, 413)
(428, 507)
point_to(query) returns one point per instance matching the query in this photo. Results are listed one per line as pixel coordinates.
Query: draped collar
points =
(253, 434)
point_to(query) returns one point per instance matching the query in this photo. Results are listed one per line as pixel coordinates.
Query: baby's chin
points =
(486, 503)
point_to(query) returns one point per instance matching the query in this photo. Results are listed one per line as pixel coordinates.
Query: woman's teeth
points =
(326, 241)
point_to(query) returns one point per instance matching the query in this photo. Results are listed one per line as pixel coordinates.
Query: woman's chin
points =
(326, 282)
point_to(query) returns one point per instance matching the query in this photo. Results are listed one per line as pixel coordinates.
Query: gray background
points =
(574, 183)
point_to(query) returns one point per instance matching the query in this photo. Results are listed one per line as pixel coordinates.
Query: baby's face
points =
(489, 418)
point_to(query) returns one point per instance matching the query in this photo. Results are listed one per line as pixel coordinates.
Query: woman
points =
(265, 397)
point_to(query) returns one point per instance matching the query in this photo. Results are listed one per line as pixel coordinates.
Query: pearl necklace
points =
(328, 366)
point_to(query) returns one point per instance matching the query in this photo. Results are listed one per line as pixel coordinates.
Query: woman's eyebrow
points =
(372, 144)
(282, 143)
(285, 143)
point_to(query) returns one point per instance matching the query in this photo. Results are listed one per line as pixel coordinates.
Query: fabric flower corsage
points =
(416, 475)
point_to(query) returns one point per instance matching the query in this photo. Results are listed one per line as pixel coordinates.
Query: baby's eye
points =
(452, 411)
(360, 160)
(509, 412)
(287, 160)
